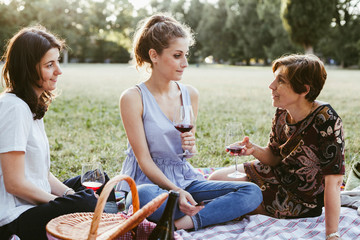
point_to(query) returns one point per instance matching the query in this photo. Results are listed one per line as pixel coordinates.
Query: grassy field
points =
(83, 123)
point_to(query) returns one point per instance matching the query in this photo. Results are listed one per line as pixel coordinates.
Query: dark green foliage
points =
(85, 25)
(109, 52)
(343, 41)
(279, 43)
(307, 21)
(231, 31)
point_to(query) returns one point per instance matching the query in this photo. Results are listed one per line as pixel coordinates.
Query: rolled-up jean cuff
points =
(196, 221)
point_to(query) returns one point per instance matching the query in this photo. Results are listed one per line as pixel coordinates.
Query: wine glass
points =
(184, 121)
(234, 133)
(92, 175)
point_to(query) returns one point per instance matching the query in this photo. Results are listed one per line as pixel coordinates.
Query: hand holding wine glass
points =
(234, 132)
(92, 175)
(184, 121)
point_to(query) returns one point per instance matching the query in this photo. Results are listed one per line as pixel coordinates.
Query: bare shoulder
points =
(131, 102)
(130, 95)
(192, 91)
(194, 96)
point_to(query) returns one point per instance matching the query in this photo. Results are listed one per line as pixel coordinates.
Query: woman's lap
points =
(231, 200)
(31, 224)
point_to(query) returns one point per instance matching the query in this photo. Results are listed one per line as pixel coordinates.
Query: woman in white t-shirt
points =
(30, 195)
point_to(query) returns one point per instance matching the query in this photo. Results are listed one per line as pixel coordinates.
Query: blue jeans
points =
(230, 200)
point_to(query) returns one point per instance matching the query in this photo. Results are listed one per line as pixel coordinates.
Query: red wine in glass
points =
(234, 132)
(183, 121)
(235, 149)
(92, 176)
(92, 185)
(184, 127)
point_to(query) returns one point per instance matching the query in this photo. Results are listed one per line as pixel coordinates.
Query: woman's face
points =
(48, 69)
(283, 96)
(171, 63)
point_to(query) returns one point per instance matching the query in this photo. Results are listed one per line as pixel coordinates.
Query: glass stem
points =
(236, 164)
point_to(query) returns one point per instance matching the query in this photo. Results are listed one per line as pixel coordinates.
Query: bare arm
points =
(332, 202)
(263, 154)
(57, 187)
(131, 114)
(13, 167)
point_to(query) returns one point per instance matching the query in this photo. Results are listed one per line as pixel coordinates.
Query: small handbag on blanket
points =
(353, 179)
(351, 199)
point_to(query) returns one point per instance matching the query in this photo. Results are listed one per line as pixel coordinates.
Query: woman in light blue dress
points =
(162, 44)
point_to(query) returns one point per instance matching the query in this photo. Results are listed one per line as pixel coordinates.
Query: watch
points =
(335, 234)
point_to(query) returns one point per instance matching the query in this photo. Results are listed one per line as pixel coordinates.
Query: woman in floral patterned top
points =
(301, 170)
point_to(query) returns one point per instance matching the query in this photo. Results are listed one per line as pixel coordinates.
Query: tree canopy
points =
(307, 21)
(231, 31)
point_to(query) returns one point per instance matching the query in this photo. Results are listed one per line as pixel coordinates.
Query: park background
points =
(236, 41)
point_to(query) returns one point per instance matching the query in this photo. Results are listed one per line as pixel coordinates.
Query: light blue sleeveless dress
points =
(164, 144)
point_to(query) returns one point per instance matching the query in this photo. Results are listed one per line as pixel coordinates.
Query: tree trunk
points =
(309, 49)
(65, 56)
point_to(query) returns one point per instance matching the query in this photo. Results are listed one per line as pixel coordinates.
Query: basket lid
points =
(99, 225)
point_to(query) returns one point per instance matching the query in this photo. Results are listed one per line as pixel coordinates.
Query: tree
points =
(84, 25)
(307, 21)
(342, 42)
(279, 43)
(250, 31)
(211, 32)
(9, 22)
(192, 18)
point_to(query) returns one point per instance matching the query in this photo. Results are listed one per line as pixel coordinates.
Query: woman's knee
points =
(255, 194)
(219, 175)
(147, 192)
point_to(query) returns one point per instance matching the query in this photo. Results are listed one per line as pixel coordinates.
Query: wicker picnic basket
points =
(99, 225)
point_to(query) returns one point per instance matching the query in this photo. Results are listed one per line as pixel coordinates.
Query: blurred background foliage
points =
(238, 32)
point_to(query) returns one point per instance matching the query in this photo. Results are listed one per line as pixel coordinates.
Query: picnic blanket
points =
(267, 228)
(260, 227)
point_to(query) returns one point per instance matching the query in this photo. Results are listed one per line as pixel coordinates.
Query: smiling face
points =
(171, 63)
(48, 69)
(283, 96)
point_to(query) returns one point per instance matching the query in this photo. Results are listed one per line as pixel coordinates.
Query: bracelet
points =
(335, 234)
(66, 191)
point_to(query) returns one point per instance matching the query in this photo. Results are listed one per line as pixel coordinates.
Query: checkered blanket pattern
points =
(260, 227)
(207, 171)
(144, 229)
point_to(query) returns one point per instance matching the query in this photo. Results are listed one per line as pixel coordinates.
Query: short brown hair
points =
(156, 32)
(303, 70)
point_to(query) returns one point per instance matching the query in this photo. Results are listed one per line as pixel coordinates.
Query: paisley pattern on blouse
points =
(310, 149)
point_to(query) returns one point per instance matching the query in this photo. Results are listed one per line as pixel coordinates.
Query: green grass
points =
(84, 123)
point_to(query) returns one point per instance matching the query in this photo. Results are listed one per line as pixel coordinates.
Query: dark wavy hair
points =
(156, 32)
(303, 70)
(21, 70)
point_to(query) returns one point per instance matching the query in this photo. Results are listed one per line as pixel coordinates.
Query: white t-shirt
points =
(20, 132)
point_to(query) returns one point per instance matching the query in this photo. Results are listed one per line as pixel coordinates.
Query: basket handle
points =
(109, 186)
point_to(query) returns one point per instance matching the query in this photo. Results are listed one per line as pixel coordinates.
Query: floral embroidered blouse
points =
(310, 149)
